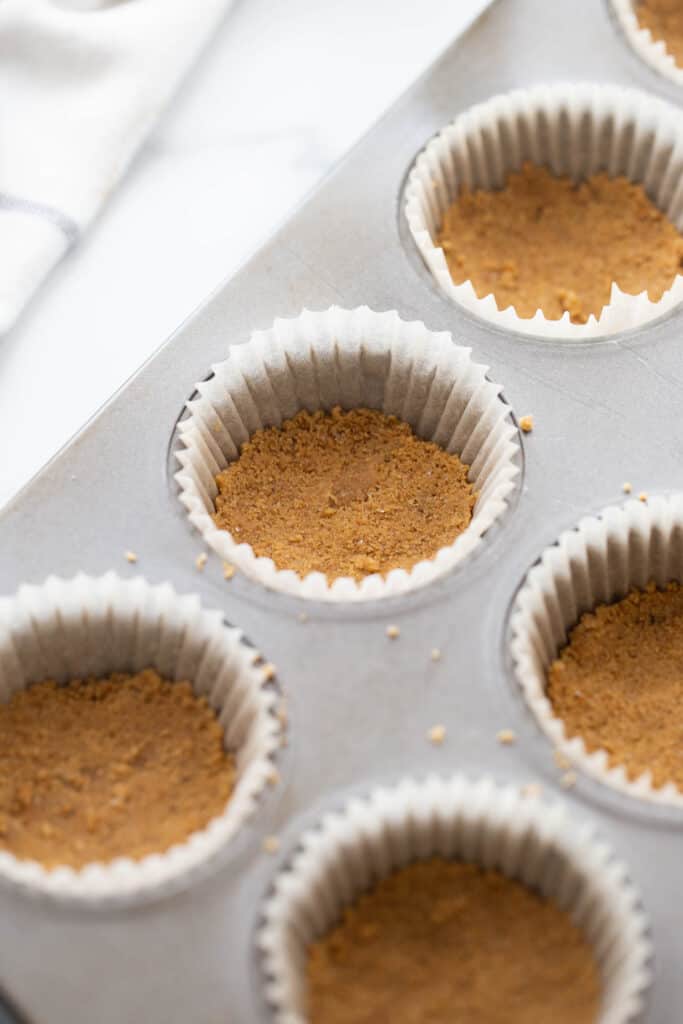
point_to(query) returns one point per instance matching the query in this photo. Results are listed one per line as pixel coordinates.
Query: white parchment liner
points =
(66, 629)
(351, 358)
(576, 130)
(482, 823)
(598, 562)
(653, 52)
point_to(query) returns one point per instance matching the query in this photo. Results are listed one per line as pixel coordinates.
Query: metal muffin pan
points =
(359, 703)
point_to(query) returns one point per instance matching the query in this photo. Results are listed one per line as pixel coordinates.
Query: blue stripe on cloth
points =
(62, 221)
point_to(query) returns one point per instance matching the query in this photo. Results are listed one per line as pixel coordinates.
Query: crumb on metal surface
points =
(437, 734)
(302, 617)
(435, 654)
(130, 556)
(271, 844)
(269, 671)
(642, 496)
(531, 789)
(506, 737)
(526, 424)
(561, 760)
(568, 780)
(393, 632)
(228, 571)
(201, 560)
(627, 487)
(273, 777)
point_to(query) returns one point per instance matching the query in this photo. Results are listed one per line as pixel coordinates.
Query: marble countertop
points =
(281, 93)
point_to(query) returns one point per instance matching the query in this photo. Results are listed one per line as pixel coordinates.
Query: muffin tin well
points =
(353, 359)
(365, 683)
(576, 130)
(476, 822)
(597, 562)
(70, 629)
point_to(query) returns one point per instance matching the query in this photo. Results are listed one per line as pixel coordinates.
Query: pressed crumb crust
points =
(103, 768)
(618, 683)
(345, 494)
(543, 242)
(451, 943)
(664, 19)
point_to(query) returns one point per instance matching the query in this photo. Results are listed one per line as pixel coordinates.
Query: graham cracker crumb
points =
(269, 672)
(435, 654)
(122, 766)
(545, 242)
(526, 424)
(130, 556)
(561, 760)
(273, 777)
(201, 560)
(568, 780)
(643, 496)
(393, 632)
(627, 487)
(447, 941)
(228, 571)
(345, 494)
(506, 737)
(271, 844)
(618, 683)
(437, 734)
(531, 789)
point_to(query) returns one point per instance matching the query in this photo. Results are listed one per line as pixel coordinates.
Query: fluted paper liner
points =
(575, 130)
(66, 629)
(652, 51)
(478, 822)
(351, 358)
(598, 562)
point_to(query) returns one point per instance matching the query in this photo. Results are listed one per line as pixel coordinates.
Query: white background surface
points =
(282, 92)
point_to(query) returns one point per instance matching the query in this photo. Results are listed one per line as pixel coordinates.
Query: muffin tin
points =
(359, 703)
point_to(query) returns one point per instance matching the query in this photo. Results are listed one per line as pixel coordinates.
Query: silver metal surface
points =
(359, 704)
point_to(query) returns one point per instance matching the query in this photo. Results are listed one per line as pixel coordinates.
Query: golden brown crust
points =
(618, 684)
(97, 769)
(664, 19)
(450, 943)
(542, 242)
(345, 494)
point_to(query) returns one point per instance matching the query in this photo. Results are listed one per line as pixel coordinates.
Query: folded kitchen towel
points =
(81, 83)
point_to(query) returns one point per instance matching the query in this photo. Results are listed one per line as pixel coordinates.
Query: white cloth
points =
(81, 83)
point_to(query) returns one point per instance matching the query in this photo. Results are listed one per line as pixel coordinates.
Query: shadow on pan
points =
(9, 1013)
